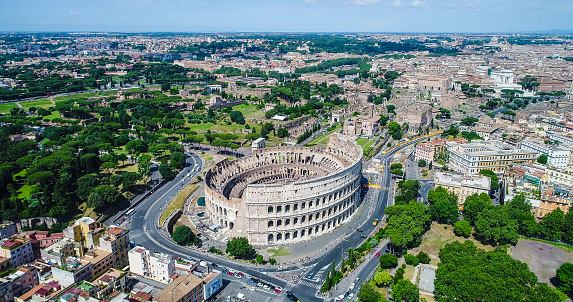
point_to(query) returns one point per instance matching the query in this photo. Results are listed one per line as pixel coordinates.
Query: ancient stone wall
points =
(286, 194)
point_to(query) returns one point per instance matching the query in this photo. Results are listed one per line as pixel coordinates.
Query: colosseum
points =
(286, 194)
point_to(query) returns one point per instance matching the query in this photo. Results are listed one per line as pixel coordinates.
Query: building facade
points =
(470, 158)
(19, 250)
(463, 186)
(557, 157)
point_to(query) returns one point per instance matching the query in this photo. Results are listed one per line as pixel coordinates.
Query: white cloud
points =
(421, 4)
(309, 1)
(363, 2)
(466, 7)
(75, 13)
(415, 3)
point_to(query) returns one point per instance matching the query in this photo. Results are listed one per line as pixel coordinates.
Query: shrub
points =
(388, 261)
(412, 260)
(423, 257)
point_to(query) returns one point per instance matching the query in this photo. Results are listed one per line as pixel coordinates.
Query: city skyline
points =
(397, 16)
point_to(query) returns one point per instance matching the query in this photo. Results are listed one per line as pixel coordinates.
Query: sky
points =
(464, 16)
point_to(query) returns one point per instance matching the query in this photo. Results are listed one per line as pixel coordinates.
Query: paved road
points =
(144, 231)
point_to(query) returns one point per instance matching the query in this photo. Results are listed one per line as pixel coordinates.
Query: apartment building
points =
(462, 185)
(72, 271)
(101, 260)
(427, 151)
(85, 230)
(21, 281)
(470, 158)
(557, 157)
(153, 265)
(19, 250)
(116, 241)
(185, 288)
(554, 196)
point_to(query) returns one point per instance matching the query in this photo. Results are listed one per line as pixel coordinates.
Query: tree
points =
(183, 235)
(565, 276)
(388, 261)
(383, 279)
(474, 205)
(462, 228)
(237, 117)
(404, 290)
(466, 273)
(395, 130)
(109, 194)
(282, 132)
(166, 172)
(443, 205)
(398, 172)
(568, 228)
(542, 159)
(493, 224)
(95, 201)
(177, 160)
(411, 259)
(396, 166)
(423, 257)
(407, 226)
(143, 163)
(239, 247)
(551, 226)
(367, 293)
(492, 176)
(259, 259)
(422, 163)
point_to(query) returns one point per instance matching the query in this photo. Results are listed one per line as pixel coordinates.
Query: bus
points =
(129, 213)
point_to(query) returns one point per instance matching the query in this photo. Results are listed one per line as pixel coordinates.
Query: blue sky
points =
(286, 15)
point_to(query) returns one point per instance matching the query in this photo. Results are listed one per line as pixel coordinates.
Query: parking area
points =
(241, 290)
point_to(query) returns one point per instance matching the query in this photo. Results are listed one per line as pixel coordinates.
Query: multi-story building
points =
(557, 157)
(157, 266)
(112, 280)
(85, 230)
(21, 281)
(19, 250)
(61, 250)
(553, 197)
(427, 151)
(101, 260)
(415, 116)
(116, 241)
(5, 264)
(470, 158)
(72, 271)
(463, 186)
(185, 288)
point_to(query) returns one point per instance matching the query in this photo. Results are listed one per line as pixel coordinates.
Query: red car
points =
(240, 274)
(377, 255)
(231, 273)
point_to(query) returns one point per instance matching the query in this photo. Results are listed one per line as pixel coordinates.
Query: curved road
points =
(144, 231)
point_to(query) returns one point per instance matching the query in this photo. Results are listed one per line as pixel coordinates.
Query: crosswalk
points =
(309, 284)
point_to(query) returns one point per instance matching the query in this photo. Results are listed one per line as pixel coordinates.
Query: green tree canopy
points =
(405, 291)
(466, 273)
(463, 228)
(239, 247)
(542, 159)
(494, 225)
(474, 205)
(183, 235)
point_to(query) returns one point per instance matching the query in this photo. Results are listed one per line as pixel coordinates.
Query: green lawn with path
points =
(7, 107)
(43, 103)
(282, 251)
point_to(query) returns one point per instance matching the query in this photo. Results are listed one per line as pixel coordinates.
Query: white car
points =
(352, 286)
(266, 287)
(238, 276)
(252, 288)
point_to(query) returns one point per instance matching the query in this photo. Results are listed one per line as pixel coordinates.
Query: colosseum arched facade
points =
(286, 194)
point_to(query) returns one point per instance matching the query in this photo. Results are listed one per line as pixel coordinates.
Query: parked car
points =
(377, 255)
(231, 273)
(238, 276)
(278, 289)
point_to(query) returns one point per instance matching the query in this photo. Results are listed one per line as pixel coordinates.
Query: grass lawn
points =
(24, 191)
(369, 144)
(85, 95)
(208, 126)
(88, 212)
(323, 139)
(282, 251)
(178, 202)
(361, 141)
(55, 114)
(128, 167)
(246, 109)
(44, 103)
(20, 175)
(207, 157)
(437, 237)
(7, 107)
